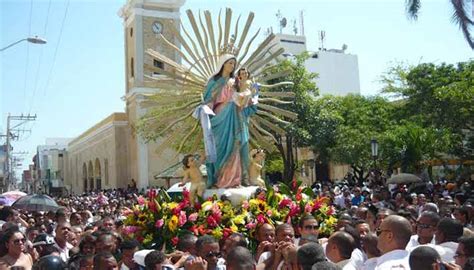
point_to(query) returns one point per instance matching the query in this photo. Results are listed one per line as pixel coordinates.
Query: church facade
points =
(110, 154)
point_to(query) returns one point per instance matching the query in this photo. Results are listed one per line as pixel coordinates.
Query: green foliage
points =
(437, 96)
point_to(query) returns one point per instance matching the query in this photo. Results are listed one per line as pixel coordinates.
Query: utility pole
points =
(10, 135)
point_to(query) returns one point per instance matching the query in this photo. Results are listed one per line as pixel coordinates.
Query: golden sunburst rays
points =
(182, 82)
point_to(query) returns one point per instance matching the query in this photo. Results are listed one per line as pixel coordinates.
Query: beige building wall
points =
(100, 156)
(139, 17)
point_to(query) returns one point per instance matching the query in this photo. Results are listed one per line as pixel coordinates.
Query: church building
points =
(110, 154)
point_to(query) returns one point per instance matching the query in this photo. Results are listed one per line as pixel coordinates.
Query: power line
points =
(32, 102)
(56, 50)
(27, 55)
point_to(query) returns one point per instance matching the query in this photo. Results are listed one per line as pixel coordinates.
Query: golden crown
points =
(230, 47)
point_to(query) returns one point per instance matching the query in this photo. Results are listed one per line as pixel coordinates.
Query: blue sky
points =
(77, 78)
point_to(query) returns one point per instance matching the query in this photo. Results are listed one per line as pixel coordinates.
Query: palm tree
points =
(460, 16)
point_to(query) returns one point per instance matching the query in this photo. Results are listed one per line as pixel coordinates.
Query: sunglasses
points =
(213, 254)
(311, 227)
(18, 241)
(423, 226)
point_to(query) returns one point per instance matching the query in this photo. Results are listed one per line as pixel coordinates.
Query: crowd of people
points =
(378, 228)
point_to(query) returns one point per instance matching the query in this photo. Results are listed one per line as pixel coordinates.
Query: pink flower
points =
(308, 208)
(193, 217)
(130, 229)
(182, 218)
(141, 200)
(251, 225)
(269, 212)
(330, 211)
(260, 219)
(245, 205)
(159, 223)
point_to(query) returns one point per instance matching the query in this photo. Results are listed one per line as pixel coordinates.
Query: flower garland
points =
(159, 220)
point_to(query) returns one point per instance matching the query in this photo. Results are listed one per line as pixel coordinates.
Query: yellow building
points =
(110, 154)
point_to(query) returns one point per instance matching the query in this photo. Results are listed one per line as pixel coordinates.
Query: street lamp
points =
(375, 150)
(34, 40)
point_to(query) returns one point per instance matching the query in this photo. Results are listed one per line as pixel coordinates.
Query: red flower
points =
(197, 206)
(174, 240)
(152, 206)
(284, 203)
(318, 203)
(194, 229)
(227, 232)
(211, 221)
(186, 194)
(294, 210)
(294, 183)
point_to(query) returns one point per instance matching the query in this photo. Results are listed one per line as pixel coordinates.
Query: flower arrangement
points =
(159, 220)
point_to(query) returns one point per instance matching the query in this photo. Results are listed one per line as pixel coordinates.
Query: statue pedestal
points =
(235, 195)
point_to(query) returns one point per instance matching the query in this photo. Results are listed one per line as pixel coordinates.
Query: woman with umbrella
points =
(15, 243)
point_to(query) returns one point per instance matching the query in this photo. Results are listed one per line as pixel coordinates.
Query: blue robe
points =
(231, 131)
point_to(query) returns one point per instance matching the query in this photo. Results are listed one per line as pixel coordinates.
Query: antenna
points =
(322, 37)
(344, 47)
(295, 29)
(302, 22)
(282, 20)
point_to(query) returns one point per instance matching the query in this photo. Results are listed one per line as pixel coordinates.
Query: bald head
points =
(395, 233)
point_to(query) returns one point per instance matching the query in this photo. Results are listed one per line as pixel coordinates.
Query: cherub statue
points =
(192, 174)
(256, 164)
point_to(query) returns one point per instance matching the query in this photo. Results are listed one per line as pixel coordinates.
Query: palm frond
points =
(461, 18)
(413, 8)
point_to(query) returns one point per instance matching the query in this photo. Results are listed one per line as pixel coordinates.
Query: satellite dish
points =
(283, 22)
(344, 47)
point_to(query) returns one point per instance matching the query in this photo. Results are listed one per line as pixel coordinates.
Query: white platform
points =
(235, 195)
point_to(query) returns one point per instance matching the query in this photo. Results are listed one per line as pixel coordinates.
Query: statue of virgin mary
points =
(225, 123)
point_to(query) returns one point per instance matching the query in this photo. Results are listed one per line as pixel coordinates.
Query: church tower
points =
(144, 21)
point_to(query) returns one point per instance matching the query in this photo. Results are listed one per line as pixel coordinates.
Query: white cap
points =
(139, 256)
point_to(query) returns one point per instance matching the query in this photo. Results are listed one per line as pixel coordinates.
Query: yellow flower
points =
(206, 206)
(234, 228)
(172, 205)
(240, 219)
(173, 223)
(217, 233)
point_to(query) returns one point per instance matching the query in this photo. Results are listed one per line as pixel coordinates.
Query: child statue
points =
(192, 174)
(256, 164)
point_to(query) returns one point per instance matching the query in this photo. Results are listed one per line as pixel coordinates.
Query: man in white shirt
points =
(339, 249)
(394, 234)
(425, 230)
(63, 230)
